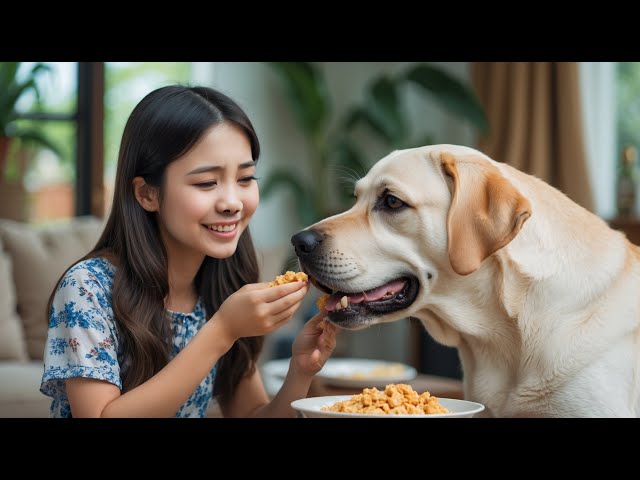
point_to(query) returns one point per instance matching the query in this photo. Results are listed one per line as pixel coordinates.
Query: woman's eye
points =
(248, 179)
(393, 202)
(206, 184)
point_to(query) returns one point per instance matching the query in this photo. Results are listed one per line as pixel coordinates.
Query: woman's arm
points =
(255, 309)
(310, 351)
(160, 396)
(251, 400)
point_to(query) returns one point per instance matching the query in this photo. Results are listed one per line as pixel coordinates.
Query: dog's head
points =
(419, 214)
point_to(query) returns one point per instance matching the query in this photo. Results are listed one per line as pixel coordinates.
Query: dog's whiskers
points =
(343, 169)
(347, 181)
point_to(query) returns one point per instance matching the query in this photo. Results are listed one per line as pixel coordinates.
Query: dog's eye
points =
(392, 202)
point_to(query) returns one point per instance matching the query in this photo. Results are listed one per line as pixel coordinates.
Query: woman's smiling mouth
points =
(228, 230)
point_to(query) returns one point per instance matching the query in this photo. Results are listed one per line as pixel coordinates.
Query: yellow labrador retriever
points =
(540, 296)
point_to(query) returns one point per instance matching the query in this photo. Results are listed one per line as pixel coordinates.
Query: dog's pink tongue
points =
(368, 296)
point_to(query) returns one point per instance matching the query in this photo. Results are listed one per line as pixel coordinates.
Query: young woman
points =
(166, 312)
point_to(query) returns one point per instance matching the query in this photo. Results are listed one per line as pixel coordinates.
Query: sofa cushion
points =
(12, 342)
(40, 255)
(20, 393)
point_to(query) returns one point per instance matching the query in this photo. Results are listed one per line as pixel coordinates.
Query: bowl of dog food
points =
(394, 401)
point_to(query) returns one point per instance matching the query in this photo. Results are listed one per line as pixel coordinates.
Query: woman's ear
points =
(146, 195)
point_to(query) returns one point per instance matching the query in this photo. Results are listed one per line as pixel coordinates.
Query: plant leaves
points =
(11, 89)
(29, 136)
(349, 160)
(425, 139)
(284, 177)
(383, 109)
(358, 116)
(307, 94)
(450, 93)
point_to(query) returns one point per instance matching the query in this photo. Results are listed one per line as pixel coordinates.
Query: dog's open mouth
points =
(353, 309)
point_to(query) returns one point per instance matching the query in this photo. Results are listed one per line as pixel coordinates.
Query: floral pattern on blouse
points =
(82, 340)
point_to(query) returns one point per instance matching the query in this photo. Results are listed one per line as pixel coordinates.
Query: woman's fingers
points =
(328, 336)
(280, 319)
(272, 294)
(287, 312)
(317, 318)
(255, 286)
(286, 302)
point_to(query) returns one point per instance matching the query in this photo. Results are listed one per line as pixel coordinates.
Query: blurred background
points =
(321, 126)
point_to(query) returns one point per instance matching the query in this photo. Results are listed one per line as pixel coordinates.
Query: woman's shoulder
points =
(98, 269)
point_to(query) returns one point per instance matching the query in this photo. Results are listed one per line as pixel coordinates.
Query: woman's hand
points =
(313, 345)
(257, 309)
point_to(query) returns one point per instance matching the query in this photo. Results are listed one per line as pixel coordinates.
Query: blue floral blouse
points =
(83, 341)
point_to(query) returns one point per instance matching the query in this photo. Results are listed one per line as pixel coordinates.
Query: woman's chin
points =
(222, 251)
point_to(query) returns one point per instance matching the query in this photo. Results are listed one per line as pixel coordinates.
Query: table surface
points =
(443, 387)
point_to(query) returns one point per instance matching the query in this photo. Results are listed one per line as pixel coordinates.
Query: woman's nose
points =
(229, 203)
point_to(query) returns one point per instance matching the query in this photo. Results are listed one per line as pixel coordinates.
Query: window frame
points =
(89, 123)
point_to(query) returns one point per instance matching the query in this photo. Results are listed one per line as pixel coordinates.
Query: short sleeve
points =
(82, 338)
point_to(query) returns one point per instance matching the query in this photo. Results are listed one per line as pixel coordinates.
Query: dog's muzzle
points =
(346, 307)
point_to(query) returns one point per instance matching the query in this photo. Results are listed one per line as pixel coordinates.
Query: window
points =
(83, 108)
(38, 184)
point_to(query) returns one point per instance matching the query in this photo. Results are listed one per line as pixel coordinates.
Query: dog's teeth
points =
(338, 306)
(344, 301)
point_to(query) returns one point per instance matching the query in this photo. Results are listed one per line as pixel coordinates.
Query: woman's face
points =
(210, 194)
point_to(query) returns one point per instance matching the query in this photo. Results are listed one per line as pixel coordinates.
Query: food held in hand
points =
(289, 277)
(322, 301)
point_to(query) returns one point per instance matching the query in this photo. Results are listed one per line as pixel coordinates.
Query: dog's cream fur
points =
(540, 296)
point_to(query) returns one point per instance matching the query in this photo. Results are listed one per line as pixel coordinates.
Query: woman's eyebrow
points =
(214, 168)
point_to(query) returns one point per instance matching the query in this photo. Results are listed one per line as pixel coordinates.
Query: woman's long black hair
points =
(164, 126)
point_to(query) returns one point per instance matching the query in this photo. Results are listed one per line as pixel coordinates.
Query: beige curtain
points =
(535, 119)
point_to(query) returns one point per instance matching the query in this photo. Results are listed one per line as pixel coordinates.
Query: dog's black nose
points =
(306, 241)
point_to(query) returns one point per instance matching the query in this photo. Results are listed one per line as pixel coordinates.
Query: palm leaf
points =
(8, 72)
(349, 158)
(36, 137)
(11, 89)
(425, 139)
(383, 109)
(282, 177)
(450, 93)
(307, 95)
(359, 116)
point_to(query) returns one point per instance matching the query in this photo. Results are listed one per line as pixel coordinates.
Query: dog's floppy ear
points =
(486, 212)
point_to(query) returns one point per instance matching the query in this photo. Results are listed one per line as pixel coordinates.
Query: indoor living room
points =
(59, 148)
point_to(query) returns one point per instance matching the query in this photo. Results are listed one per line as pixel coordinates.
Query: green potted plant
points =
(335, 151)
(12, 88)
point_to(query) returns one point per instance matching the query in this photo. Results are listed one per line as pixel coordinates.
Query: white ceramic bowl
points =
(311, 408)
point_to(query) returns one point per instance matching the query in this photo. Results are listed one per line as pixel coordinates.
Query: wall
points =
(258, 91)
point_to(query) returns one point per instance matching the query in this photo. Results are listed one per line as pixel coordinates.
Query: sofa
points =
(32, 258)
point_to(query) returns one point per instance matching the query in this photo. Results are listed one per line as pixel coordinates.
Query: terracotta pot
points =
(14, 201)
(5, 142)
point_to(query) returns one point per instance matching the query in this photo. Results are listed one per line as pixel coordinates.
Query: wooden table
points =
(439, 386)
(442, 387)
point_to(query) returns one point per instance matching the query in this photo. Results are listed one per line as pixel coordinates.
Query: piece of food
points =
(322, 301)
(289, 277)
(397, 399)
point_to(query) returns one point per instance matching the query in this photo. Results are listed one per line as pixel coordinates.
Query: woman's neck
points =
(182, 270)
